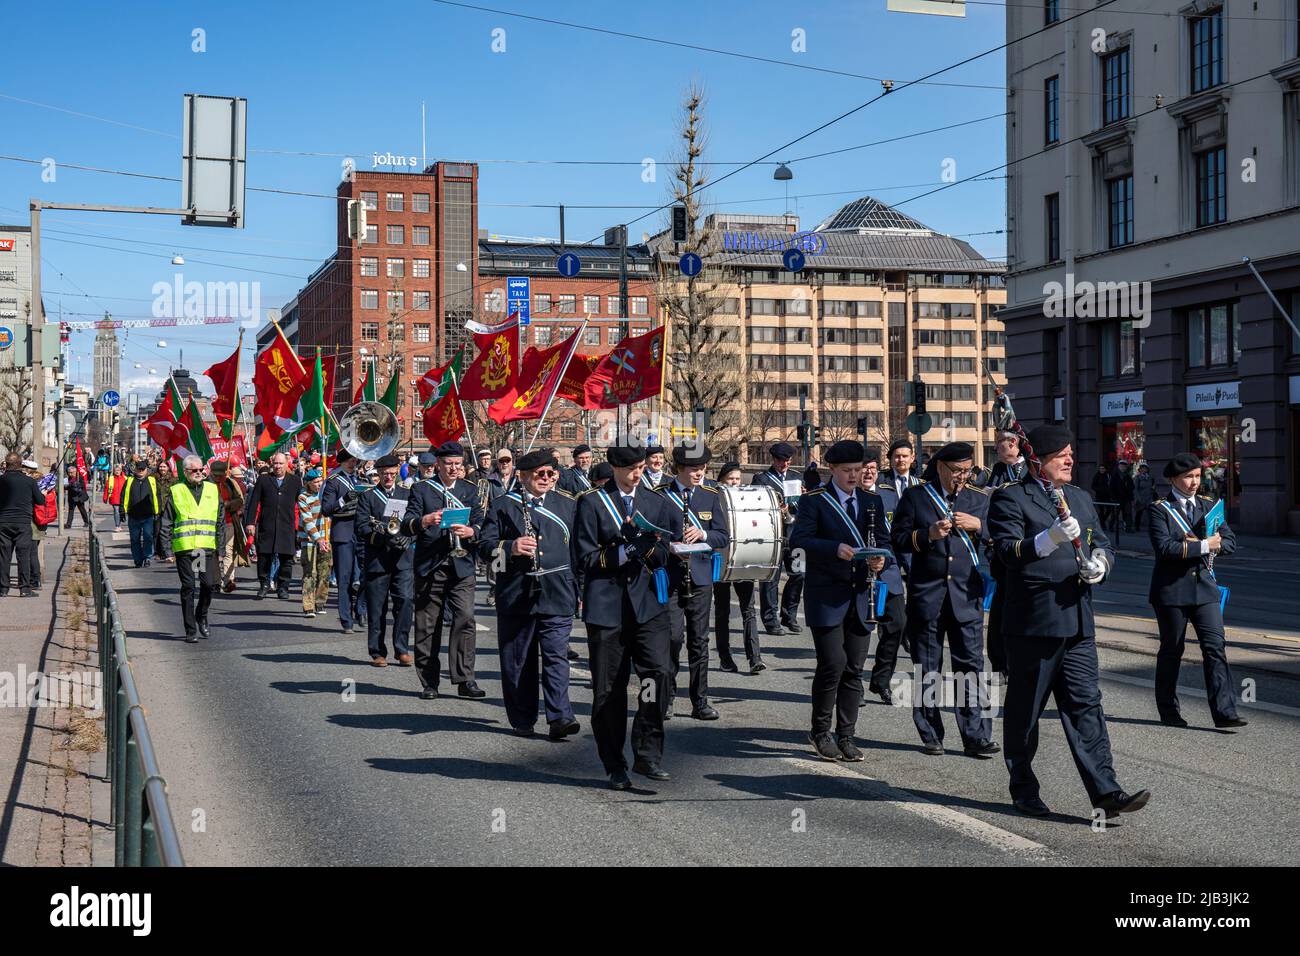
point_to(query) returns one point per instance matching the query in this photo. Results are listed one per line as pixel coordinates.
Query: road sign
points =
(568, 265)
(691, 264)
(679, 432)
(110, 398)
(518, 297)
(793, 259)
(6, 337)
(919, 424)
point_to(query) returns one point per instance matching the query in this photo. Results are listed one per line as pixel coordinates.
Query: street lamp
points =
(178, 260)
(784, 175)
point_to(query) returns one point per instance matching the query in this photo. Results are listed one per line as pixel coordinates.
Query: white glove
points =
(1045, 542)
(1094, 569)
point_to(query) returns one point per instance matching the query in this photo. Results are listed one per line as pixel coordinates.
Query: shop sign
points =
(1213, 396)
(1122, 405)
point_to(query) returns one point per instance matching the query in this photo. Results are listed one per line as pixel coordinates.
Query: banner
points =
(232, 450)
(632, 371)
(543, 371)
(492, 373)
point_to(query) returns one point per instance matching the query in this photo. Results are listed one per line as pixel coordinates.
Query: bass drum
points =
(754, 516)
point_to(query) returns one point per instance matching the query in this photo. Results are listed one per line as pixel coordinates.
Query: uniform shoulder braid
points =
(815, 491)
(561, 491)
(979, 489)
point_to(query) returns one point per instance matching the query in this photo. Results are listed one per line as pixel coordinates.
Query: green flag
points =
(195, 434)
(390, 393)
(437, 382)
(368, 389)
(311, 409)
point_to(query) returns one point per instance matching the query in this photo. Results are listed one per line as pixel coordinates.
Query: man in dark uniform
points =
(529, 534)
(269, 515)
(575, 480)
(339, 503)
(444, 571)
(781, 619)
(893, 623)
(1009, 467)
(832, 529)
(899, 475)
(938, 522)
(691, 575)
(1183, 591)
(1048, 624)
(386, 572)
(625, 606)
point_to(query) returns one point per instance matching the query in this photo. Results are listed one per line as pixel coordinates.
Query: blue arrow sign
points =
(568, 265)
(110, 399)
(691, 264)
(794, 260)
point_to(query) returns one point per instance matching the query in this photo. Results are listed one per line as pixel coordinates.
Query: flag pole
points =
(469, 432)
(238, 405)
(577, 337)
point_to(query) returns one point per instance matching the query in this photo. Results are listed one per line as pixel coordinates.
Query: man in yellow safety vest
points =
(191, 518)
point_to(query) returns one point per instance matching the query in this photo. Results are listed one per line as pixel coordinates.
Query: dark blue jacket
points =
(830, 582)
(554, 593)
(943, 569)
(1177, 578)
(706, 505)
(332, 495)
(380, 554)
(433, 544)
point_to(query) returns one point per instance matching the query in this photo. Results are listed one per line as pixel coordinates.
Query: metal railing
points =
(144, 833)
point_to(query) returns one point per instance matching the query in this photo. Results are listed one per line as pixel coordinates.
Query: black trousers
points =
(1067, 669)
(438, 596)
(193, 611)
(75, 505)
(387, 590)
(966, 657)
(1208, 623)
(688, 624)
(837, 682)
(780, 605)
(890, 630)
(613, 652)
(282, 577)
(16, 537)
(748, 619)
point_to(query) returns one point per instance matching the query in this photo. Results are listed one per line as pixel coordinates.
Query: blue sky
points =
(348, 79)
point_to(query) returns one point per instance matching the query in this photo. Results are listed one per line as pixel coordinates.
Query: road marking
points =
(969, 826)
(1282, 709)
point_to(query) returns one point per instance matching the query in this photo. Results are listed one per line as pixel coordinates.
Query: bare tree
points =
(16, 409)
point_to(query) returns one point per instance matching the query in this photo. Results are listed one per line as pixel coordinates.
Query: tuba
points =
(369, 430)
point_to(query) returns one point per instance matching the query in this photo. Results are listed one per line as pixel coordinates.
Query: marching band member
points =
(730, 474)
(1183, 591)
(529, 533)
(625, 604)
(691, 576)
(338, 502)
(386, 571)
(898, 475)
(834, 523)
(938, 523)
(781, 619)
(575, 480)
(653, 476)
(894, 621)
(444, 571)
(1048, 622)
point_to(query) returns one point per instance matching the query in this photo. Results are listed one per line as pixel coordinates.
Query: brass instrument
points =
(369, 430)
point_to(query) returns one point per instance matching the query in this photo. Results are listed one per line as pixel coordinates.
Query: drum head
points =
(754, 516)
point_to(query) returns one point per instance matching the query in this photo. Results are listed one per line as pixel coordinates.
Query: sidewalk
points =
(56, 797)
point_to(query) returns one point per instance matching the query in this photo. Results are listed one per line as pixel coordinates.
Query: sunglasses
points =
(505, 459)
(194, 471)
(545, 473)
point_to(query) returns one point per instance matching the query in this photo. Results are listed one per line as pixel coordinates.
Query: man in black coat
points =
(528, 533)
(386, 572)
(780, 608)
(690, 576)
(893, 622)
(19, 498)
(940, 523)
(1048, 623)
(444, 570)
(269, 514)
(1184, 590)
(576, 480)
(76, 494)
(338, 503)
(625, 606)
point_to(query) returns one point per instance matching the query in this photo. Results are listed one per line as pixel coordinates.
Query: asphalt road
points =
(268, 764)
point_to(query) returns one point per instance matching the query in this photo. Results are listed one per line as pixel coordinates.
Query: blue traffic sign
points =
(110, 399)
(518, 297)
(794, 260)
(691, 264)
(568, 265)
(6, 337)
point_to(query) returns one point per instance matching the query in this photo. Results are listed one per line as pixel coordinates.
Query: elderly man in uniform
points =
(192, 521)
(833, 530)
(338, 502)
(269, 515)
(893, 623)
(386, 573)
(691, 575)
(779, 618)
(1184, 591)
(576, 480)
(529, 533)
(1048, 623)
(938, 523)
(625, 606)
(444, 570)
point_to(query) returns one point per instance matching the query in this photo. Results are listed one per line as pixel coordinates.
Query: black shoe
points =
(203, 629)
(727, 664)
(261, 591)
(470, 689)
(884, 693)
(984, 750)
(619, 780)
(283, 595)
(1173, 720)
(191, 638)
(147, 562)
(1120, 802)
(28, 593)
(139, 564)
(848, 749)
(774, 629)
(1231, 722)
(648, 768)
(1032, 807)
(574, 655)
(932, 748)
(429, 693)
(824, 744)
(348, 629)
(757, 666)
(522, 731)
(792, 628)
(704, 712)
(564, 727)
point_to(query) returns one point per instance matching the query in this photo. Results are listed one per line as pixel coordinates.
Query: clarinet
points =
(871, 575)
(530, 532)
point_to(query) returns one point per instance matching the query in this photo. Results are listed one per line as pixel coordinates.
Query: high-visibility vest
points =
(195, 525)
(153, 488)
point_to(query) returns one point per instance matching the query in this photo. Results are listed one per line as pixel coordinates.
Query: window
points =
(541, 335)
(568, 304)
(396, 268)
(1052, 110)
(396, 235)
(591, 337)
(372, 233)
(928, 310)
(1207, 50)
(1119, 216)
(1115, 86)
(419, 202)
(763, 307)
(421, 301)
(611, 305)
(1052, 207)
(1052, 358)
(370, 266)
(420, 332)
(639, 305)
(1121, 349)
(1051, 11)
(370, 331)
(796, 306)
(615, 336)
(419, 235)
(370, 201)
(640, 330)
(959, 310)
(995, 338)
(1211, 186)
(420, 269)
(420, 364)
(542, 302)
(369, 298)
(396, 299)
(395, 202)
(396, 331)
(1213, 335)
(591, 305)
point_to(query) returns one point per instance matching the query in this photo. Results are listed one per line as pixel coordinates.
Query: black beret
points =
(427, 458)
(1049, 439)
(898, 443)
(1181, 463)
(343, 455)
(871, 453)
(655, 450)
(624, 456)
(782, 449)
(602, 471)
(581, 450)
(727, 469)
(847, 452)
(955, 451)
(449, 449)
(389, 461)
(683, 455)
(538, 458)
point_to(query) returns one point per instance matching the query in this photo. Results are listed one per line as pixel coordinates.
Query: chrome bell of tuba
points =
(369, 430)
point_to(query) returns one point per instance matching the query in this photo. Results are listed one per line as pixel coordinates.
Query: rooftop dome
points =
(869, 216)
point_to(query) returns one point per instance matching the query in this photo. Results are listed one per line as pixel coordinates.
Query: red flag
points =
(82, 470)
(225, 378)
(575, 379)
(443, 420)
(633, 370)
(279, 380)
(492, 373)
(542, 371)
(160, 426)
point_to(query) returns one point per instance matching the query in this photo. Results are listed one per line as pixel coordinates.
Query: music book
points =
(1214, 519)
(451, 516)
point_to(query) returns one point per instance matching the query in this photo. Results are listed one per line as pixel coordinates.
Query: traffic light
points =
(803, 434)
(357, 220)
(816, 435)
(918, 390)
(679, 223)
(862, 427)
